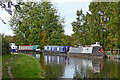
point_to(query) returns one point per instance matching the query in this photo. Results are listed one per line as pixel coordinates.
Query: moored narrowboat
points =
(93, 49)
(29, 48)
(58, 49)
(80, 50)
(13, 47)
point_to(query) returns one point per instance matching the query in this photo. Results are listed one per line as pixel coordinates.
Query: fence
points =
(115, 51)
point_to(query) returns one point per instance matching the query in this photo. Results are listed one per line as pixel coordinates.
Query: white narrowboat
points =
(13, 47)
(94, 48)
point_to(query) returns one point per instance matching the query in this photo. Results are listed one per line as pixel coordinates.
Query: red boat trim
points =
(24, 49)
(26, 45)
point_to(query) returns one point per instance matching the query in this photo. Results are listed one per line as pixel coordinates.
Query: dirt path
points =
(9, 72)
(9, 68)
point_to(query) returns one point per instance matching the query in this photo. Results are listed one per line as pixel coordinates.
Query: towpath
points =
(9, 68)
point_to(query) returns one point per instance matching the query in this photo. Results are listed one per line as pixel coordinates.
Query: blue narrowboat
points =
(62, 49)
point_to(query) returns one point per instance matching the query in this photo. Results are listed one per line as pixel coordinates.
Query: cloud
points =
(5, 29)
(4, 15)
(66, 8)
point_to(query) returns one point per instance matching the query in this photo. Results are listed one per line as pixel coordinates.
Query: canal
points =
(72, 67)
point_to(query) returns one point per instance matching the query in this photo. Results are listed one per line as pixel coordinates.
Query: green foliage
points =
(55, 39)
(67, 40)
(80, 27)
(100, 24)
(14, 39)
(36, 22)
(5, 46)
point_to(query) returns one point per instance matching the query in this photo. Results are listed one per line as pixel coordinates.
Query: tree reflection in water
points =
(42, 61)
(54, 71)
(108, 69)
(60, 66)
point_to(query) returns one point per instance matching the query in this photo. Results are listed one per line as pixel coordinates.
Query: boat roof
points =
(79, 44)
(95, 45)
(35, 47)
(25, 45)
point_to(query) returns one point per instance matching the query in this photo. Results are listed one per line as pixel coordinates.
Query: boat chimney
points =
(97, 43)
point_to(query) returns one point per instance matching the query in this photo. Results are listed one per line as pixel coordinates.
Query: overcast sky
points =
(66, 8)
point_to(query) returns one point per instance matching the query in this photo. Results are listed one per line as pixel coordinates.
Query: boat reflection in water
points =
(56, 59)
(71, 67)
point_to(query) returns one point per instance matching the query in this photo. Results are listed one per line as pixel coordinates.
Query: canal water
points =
(72, 67)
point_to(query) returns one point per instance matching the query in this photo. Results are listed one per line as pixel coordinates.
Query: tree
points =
(80, 28)
(33, 19)
(14, 39)
(55, 39)
(67, 40)
(5, 45)
(97, 23)
(101, 24)
(113, 25)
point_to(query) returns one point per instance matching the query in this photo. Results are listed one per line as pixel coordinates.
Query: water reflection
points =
(42, 61)
(56, 59)
(70, 67)
(55, 71)
(100, 69)
(82, 69)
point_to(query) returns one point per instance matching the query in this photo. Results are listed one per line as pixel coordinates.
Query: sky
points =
(66, 8)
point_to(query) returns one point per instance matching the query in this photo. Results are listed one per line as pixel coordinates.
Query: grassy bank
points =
(23, 66)
(5, 58)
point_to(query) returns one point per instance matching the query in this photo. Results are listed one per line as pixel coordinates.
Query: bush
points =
(5, 46)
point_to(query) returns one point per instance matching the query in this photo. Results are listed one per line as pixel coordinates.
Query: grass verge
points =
(23, 66)
(5, 58)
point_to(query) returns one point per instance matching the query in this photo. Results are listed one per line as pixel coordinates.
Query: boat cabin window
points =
(52, 48)
(38, 47)
(47, 48)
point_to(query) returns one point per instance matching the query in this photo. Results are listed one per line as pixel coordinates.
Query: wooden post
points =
(118, 51)
(111, 51)
(114, 51)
